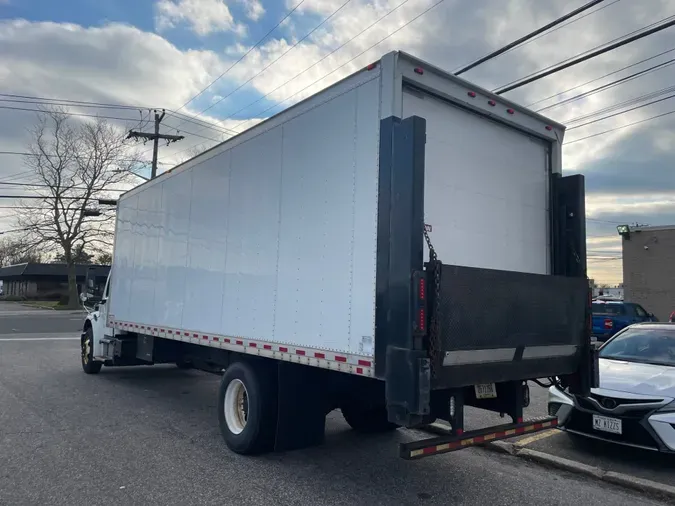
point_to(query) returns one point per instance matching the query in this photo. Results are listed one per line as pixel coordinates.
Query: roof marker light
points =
(492, 103)
(510, 111)
(549, 127)
(419, 70)
(371, 66)
(472, 94)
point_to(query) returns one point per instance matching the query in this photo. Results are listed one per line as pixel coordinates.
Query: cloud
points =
(254, 9)
(203, 16)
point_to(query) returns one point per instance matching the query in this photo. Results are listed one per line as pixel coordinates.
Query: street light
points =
(624, 231)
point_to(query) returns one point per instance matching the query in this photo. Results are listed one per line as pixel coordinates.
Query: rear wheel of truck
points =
(87, 353)
(247, 408)
(367, 420)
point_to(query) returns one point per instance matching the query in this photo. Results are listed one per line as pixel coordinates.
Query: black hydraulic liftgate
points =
(441, 330)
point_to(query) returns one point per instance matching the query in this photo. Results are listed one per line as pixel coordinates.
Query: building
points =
(45, 281)
(649, 268)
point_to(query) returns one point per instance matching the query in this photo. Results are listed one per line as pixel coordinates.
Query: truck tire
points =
(247, 408)
(367, 420)
(89, 366)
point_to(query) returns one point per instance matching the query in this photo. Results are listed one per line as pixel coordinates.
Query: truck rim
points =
(86, 345)
(236, 406)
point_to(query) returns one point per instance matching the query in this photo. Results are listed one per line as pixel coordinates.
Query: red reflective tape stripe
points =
(267, 346)
(520, 419)
(479, 439)
(459, 432)
(195, 335)
(205, 337)
(161, 330)
(364, 363)
(283, 349)
(320, 355)
(227, 340)
(216, 339)
(520, 430)
(170, 331)
(240, 343)
(427, 451)
(359, 370)
(340, 359)
(300, 352)
(252, 345)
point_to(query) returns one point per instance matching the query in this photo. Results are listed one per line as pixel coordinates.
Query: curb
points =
(653, 488)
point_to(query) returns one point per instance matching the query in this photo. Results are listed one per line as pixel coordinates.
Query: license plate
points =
(486, 391)
(607, 424)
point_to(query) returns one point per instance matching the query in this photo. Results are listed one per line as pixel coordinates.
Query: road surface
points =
(149, 436)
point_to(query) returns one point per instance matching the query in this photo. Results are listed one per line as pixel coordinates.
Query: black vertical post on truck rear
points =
(568, 232)
(399, 359)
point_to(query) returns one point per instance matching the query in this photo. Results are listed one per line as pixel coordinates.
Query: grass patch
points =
(45, 304)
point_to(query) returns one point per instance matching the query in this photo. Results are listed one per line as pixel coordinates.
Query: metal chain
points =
(434, 337)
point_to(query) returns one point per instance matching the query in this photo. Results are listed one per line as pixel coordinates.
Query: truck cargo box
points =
(302, 239)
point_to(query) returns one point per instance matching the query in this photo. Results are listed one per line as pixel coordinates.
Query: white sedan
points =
(635, 404)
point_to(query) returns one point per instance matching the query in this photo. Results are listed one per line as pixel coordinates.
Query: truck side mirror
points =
(83, 297)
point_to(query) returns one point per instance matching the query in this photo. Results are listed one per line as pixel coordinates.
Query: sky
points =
(164, 53)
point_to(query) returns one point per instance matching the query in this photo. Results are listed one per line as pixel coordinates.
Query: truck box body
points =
(298, 239)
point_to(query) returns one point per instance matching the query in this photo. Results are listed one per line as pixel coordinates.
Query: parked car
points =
(609, 317)
(635, 403)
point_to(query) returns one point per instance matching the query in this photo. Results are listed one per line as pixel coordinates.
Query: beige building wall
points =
(649, 269)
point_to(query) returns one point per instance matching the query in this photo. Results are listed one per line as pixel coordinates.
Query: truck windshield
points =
(648, 346)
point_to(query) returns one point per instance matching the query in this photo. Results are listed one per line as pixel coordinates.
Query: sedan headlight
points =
(668, 408)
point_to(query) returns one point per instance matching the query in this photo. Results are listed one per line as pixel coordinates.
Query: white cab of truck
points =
(397, 246)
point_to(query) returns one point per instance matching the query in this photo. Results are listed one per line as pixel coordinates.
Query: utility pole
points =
(155, 137)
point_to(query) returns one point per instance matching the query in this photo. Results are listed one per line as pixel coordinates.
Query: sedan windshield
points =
(649, 346)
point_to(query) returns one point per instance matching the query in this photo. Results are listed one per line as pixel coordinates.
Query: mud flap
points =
(301, 415)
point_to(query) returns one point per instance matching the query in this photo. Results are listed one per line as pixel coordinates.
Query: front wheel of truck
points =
(369, 420)
(247, 408)
(89, 365)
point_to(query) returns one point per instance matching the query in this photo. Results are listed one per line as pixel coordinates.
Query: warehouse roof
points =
(37, 269)
(655, 228)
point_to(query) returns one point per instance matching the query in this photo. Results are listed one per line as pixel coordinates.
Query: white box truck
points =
(397, 246)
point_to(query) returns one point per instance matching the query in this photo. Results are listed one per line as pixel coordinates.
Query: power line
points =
(277, 58)
(51, 186)
(618, 106)
(319, 61)
(527, 37)
(587, 56)
(25, 153)
(604, 45)
(619, 128)
(105, 105)
(599, 78)
(612, 84)
(244, 56)
(44, 197)
(438, 2)
(70, 113)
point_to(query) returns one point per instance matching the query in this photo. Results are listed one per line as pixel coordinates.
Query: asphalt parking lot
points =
(149, 436)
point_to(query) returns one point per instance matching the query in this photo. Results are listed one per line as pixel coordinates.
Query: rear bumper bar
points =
(433, 446)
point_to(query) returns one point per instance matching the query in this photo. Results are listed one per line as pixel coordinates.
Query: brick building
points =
(649, 268)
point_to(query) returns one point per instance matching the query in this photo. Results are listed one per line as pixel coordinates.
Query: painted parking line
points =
(39, 339)
(536, 437)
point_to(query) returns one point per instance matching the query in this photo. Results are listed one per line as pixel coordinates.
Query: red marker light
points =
(549, 127)
(492, 103)
(419, 70)
(371, 66)
(472, 94)
(510, 111)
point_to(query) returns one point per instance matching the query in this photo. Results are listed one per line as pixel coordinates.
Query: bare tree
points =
(80, 162)
(13, 251)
